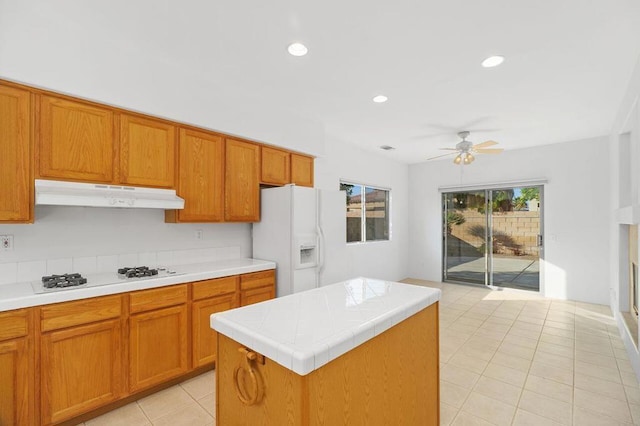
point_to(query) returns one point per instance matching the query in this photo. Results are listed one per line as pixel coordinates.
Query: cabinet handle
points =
(244, 396)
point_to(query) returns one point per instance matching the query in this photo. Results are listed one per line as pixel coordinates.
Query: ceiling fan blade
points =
(485, 144)
(448, 149)
(440, 156)
(489, 151)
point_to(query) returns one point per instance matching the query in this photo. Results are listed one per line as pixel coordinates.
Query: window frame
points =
(363, 217)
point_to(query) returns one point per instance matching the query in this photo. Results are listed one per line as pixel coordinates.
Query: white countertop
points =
(306, 330)
(22, 295)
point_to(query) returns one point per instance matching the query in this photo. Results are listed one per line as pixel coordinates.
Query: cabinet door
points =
(249, 297)
(147, 152)
(275, 166)
(242, 182)
(16, 204)
(80, 370)
(157, 346)
(201, 177)
(15, 156)
(204, 338)
(16, 381)
(301, 170)
(75, 140)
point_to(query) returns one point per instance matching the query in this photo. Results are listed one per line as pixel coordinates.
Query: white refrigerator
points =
(304, 231)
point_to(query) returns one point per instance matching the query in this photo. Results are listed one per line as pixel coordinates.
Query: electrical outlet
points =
(6, 242)
(199, 234)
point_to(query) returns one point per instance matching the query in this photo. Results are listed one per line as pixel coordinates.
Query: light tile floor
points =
(506, 358)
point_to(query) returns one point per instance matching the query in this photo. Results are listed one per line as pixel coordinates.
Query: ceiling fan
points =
(465, 150)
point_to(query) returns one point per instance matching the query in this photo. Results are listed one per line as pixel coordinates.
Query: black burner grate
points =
(64, 280)
(137, 272)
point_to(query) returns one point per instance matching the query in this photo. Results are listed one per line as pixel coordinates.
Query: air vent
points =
(387, 148)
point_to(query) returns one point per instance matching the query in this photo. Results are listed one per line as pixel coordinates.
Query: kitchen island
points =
(363, 351)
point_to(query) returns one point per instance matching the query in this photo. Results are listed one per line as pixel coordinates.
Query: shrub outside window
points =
(367, 212)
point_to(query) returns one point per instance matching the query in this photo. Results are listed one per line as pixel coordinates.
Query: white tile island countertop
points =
(307, 330)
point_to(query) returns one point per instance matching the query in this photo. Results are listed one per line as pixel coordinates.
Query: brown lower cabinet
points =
(81, 369)
(158, 336)
(16, 368)
(80, 356)
(157, 346)
(94, 352)
(256, 287)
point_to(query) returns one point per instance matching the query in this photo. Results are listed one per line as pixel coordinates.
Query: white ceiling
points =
(568, 63)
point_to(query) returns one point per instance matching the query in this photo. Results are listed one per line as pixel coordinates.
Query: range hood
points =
(58, 193)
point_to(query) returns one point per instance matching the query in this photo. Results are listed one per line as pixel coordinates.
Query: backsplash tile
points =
(12, 272)
(107, 263)
(8, 272)
(149, 259)
(164, 258)
(227, 253)
(128, 260)
(210, 254)
(59, 266)
(32, 270)
(85, 265)
(181, 257)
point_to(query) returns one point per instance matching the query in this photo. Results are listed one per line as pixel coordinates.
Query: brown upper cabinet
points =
(302, 170)
(52, 136)
(200, 178)
(147, 152)
(75, 140)
(15, 156)
(242, 181)
(276, 168)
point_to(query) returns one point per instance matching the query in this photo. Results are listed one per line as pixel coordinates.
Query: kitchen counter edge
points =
(21, 295)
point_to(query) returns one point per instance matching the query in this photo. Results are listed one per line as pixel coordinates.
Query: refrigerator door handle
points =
(320, 232)
(320, 252)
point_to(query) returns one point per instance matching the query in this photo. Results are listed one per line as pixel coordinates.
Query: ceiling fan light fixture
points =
(468, 159)
(297, 49)
(493, 61)
(458, 159)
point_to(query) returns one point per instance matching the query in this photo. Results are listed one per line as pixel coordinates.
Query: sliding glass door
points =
(465, 234)
(493, 237)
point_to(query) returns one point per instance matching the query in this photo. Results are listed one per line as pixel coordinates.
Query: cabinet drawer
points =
(147, 300)
(210, 288)
(85, 311)
(14, 324)
(257, 279)
(256, 295)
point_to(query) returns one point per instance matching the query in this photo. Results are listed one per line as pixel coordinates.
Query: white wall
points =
(624, 202)
(383, 259)
(576, 215)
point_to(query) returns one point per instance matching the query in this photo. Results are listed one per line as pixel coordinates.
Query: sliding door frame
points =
(489, 238)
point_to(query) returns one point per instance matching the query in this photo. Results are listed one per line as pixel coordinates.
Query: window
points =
(367, 212)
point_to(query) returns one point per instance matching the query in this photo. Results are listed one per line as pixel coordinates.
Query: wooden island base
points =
(392, 379)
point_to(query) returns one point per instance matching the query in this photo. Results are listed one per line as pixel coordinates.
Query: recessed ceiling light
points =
(297, 49)
(380, 99)
(493, 61)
